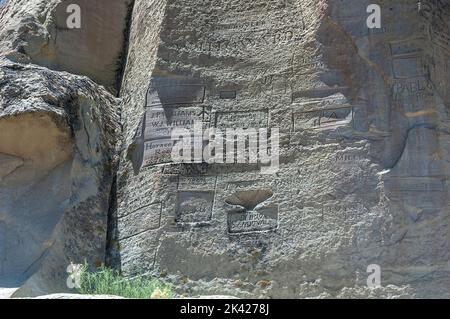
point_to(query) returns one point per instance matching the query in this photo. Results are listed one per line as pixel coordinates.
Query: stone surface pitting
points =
(363, 120)
(58, 142)
(363, 116)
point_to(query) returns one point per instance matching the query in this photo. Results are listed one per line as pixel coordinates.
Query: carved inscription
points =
(249, 214)
(157, 152)
(239, 28)
(194, 207)
(349, 159)
(249, 119)
(195, 200)
(265, 219)
(242, 41)
(408, 71)
(159, 122)
(320, 119)
(417, 88)
(142, 220)
(171, 103)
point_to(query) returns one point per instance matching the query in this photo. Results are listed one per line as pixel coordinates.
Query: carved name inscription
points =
(349, 159)
(320, 119)
(194, 207)
(142, 220)
(240, 28)
(159, 122)
(418, 88)
(241, 15)
(158, 152)
(244, 119)
(265, 219)
(166, 109)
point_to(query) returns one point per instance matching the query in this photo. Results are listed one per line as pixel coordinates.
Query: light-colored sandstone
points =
(368, 185)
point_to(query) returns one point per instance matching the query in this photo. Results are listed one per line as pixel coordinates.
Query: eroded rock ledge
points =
(57, 153)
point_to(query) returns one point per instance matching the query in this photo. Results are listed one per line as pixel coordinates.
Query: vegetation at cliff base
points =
(106, 281)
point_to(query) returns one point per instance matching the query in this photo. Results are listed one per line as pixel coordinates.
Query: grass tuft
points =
(107, 281)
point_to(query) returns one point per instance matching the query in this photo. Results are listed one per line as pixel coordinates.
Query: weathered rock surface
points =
(37, 32)
(363, 118)
(58, 139)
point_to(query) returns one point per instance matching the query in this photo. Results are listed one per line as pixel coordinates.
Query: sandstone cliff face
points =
(37, 32)
(57, 152)
(364, 145)
(363, 138)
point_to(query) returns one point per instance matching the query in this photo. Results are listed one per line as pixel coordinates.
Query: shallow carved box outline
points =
(187, 201)
(218, 114)
(265, 219)
(142, 210)
(321, 114)
(161, 93)
(408, 67)
(165, 152)
(204, 116)
(406, 48)
(228, 94)
(158, 148)
(136, 249)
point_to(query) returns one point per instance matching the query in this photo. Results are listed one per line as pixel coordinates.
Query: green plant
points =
(106, 281)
